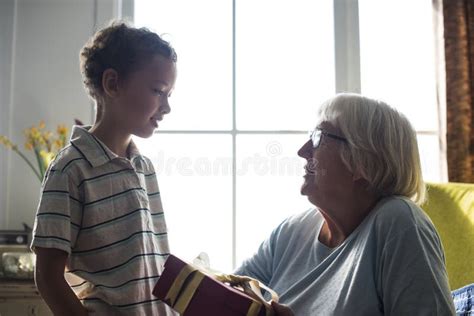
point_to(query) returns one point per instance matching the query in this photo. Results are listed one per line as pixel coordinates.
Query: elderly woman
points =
(367, 248)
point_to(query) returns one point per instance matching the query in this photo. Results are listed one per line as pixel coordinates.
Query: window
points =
(250, 77)
(397, 64)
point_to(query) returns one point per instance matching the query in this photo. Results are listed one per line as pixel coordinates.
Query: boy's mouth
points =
(154, 121)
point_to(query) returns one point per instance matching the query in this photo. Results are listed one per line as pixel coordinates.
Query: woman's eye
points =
(158, 92)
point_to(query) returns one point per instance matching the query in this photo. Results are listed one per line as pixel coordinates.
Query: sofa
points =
(451, 208)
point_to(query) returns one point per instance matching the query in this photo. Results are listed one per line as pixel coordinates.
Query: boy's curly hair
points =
(121, 47)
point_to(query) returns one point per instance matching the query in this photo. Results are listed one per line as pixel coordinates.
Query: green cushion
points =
(451, 208)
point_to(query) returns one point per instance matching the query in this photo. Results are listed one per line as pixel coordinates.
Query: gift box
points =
(193, 292)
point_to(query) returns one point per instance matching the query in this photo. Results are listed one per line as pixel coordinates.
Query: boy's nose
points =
(165, 107)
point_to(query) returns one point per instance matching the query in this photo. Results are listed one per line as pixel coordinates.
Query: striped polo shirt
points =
(105, 211)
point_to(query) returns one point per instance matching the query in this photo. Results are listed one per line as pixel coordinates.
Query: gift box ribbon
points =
(179, 297)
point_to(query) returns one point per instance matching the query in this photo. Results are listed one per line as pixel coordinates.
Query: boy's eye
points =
(157, 91)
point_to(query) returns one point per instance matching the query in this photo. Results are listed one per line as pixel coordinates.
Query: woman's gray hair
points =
(382, 147)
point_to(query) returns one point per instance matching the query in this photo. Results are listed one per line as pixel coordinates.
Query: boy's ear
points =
(110, 82)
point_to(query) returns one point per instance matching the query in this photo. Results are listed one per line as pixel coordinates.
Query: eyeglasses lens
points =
(316, 138)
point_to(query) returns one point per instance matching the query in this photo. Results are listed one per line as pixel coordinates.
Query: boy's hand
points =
(282, 310)
(49, 277)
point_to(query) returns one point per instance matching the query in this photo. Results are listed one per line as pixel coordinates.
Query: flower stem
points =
(29, 163)
(40, 163)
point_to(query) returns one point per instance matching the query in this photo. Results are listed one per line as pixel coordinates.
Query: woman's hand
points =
(282, 310)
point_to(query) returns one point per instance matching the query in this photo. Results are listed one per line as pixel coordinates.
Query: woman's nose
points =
(306, 150)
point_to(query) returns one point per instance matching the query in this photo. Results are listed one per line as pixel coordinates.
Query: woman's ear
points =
(357, 175)
(110, 82)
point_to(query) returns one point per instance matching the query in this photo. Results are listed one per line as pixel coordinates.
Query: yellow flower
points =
(58, 143)
(47, 157)
(5, 141)
(47, 135)
(35, 134)
(28, 145)
(62, 130)
(44, 144)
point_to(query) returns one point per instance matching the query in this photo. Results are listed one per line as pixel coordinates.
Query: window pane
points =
(397, 57)
(201, 33)
(284, 62)
(430, 158)
(269, 178)
(195, 178)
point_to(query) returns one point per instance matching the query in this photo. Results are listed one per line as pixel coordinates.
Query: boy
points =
(100, 234)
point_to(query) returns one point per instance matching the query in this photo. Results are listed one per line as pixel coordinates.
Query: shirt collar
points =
(94, 150)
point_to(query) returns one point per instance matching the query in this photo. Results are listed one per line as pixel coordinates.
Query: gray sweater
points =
(392, 264)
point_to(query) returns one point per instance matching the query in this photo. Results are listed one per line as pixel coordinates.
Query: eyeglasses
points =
(317, 135)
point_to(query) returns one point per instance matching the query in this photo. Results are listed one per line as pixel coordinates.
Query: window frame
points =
(347, 79)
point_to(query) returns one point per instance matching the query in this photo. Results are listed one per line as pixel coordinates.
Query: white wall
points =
(40, 80)
(6, 35)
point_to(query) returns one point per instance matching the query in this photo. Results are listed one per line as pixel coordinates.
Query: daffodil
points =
(62, 130)
(46, 157)
(44, 144)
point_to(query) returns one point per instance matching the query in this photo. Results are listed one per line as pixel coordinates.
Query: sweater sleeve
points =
(412, 275)
(260, 265)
